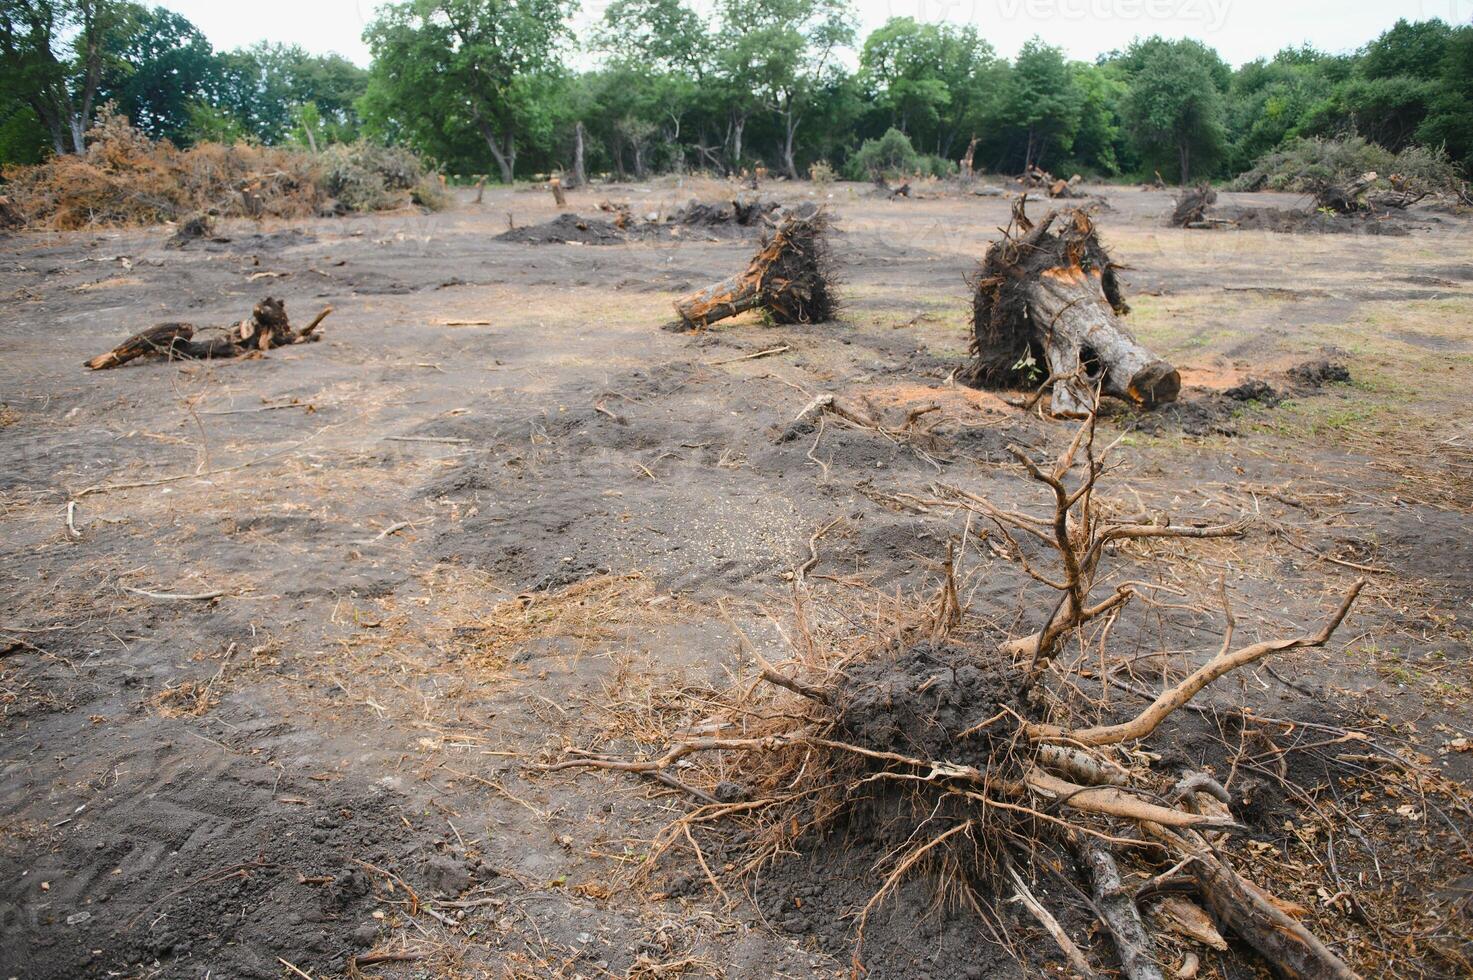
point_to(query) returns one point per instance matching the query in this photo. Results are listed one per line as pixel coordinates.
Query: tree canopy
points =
(666, 85)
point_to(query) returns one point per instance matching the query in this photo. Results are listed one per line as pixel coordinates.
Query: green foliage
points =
(889, 156)
(938, 83)
(1304, 163)
(727, 84)
(445, 68)
(206, 124)
(1041, 106)
(365, 176)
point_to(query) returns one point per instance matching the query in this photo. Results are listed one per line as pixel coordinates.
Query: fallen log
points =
(791, 277)
(265, 328)
(1046, 311)
(166, 339)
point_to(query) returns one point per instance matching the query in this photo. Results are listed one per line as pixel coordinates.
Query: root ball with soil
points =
(791, 278)
(1046, 313)
(949, 756)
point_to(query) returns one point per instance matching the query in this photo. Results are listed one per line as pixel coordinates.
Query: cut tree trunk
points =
(1047, 309)
(791, 277)
(1344, 198)
(166, 339)
(967, 160)
(580, 176)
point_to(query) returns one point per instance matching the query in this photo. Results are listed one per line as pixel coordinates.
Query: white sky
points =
(1241, 30)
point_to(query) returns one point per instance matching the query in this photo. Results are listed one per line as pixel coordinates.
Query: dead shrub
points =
(126, 179)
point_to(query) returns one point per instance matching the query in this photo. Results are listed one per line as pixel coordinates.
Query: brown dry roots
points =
(1046, 311)
(968, 762)
(791, 277)
(266, 328)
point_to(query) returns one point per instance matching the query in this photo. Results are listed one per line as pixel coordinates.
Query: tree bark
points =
(967, 158)
(580, 176)
(1117, 910)
(790, 130)
(1087, 346)
(738, 124)
(506, 157)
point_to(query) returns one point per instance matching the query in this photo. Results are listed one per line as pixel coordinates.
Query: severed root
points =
(1170, 700)
(1238, 904)
(267, 327)
(1117, 910)
(791, 277)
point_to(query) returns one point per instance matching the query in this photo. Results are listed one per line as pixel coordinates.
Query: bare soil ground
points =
(492, 515)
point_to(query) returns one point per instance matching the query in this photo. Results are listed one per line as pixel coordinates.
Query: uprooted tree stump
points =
(1344, 197)
(267, 327)
(791, 278)
(1047, 309)
(977, 762)
(1192, 204)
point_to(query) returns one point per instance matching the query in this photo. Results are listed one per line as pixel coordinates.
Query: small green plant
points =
(821, 173)
(1029, 367)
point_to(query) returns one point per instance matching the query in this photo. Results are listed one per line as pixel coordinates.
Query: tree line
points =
(488, 86)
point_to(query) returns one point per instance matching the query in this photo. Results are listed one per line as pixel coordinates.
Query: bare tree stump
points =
(1047, 311)
(791, 277)
(968, 160)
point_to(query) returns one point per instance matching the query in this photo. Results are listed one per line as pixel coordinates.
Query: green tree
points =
(1099, 142)
(158, 64)
(53, 55)
(938, 83)
(440, 65)
(1174, 108)
(1269, 100)
(1042, 104)
(785, 52)
(1449, 122)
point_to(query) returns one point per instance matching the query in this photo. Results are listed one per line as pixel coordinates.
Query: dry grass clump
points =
(582, 614)
(125, 178)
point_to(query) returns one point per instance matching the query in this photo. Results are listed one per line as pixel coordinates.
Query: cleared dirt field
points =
(496, 513)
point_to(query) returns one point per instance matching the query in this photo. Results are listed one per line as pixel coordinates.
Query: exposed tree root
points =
(970, 760)
(266, 328)
(791, 278)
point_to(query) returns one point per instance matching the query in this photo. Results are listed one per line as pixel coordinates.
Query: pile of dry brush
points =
(980, 762)
(125, 178)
